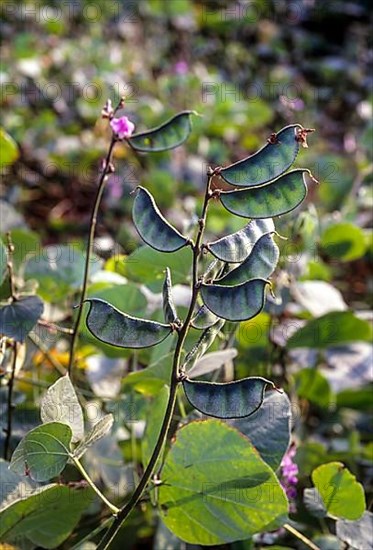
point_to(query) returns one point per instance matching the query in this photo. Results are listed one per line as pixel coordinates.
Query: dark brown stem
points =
(175, 380)
(10, 406)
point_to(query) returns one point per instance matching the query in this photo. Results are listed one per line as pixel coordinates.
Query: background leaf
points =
(154, 419)
(19, 318)
(97, 432)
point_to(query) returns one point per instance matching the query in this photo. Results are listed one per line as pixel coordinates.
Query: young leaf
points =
(111, 326)
(19, 318)
(342, 496)
(60, 404)
(203, 319)
(152, 227)
(9, 149)
(228, 400)
(217, 488)
(43, 452)
(46, 516)
(97, 432)
(260, 263)
(274, 199)
(167, 136)
(235, 303)
(268, 163)
(169, 310)
(236, 247)
(203, 344)
(357, 534)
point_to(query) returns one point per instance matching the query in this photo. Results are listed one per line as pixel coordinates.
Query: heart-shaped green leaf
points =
(167, 136)
(268, 163)
(236, 247)
(217, 488)
(260, 263)
(169, 309)
(203, 344)
(19, 318)
(111, 326)
(97, 432)
(9, 149)
(46, 516)
(43, 452)
(152, 227)
(235, 303)
(60, 404)
(274, 199)
(228, 400)
(342, 496)
(204, 318)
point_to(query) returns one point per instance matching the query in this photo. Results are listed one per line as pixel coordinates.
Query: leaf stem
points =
(175, 380)
(10, 405)
(92, 229)
(301, 537)
(85, 474)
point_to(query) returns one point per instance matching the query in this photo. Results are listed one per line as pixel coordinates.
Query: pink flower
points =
(289, 470)
(181, 68)
(122, 127)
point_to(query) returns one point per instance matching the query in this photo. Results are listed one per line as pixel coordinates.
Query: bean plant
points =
(214, 476)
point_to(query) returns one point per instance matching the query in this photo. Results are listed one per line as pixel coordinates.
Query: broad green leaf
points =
(152, 226)
(269, 428)
(3, 262)
(274, 199)
(146, 265)
(312, 385)
(345, 241)
(212, 362)
(207, 338)
(218, 489)
(9, 149)
(18, 318)
(97, 432)
(169, 310)
(154, 421)
(13, 486)
(203, 319)
(43, 452)
(167, 136)
(342, 496)
(150, 381)
(260, 263)
(268, 163)
(58, 270)
(60, 404)
(46, 517)
(357, 534)
(111, 326)
(25, 243)
(236, 247)
(227, 400)
(235, 303)
(334, 328)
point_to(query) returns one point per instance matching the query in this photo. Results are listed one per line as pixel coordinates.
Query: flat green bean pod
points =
(203, 344)
(235, 303)
(236, 247)
(152, 226)
(268, 163)
(203, 319)
(111, 326)
(169, 309)
(260, 263)
(230, 400)
(167, 136)
(274, 199)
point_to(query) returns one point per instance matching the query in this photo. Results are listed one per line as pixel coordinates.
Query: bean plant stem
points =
(301, 537)
(174, 383)
(13, 295)
(92, 229)
(81, 469)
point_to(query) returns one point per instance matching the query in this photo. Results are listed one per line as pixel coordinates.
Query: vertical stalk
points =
(92, 229)
(174, 383)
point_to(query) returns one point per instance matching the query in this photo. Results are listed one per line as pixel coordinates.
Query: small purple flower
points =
(181, 68)
(289, 477)
(122, 127)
